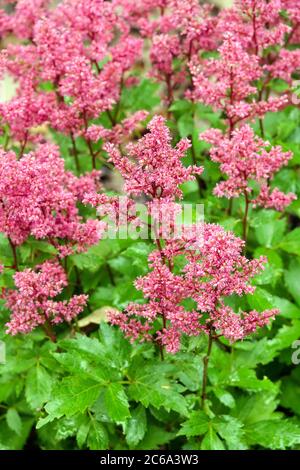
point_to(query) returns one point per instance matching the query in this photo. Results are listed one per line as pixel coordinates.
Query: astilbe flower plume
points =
(227, 83)
(215, 269)
(65, 47)
(39, 198)
(32, 303)
(153, 167)
(256, 24)
(245, 158)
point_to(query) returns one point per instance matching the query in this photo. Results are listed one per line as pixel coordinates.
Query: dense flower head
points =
(256, 24)
(227, 83)
(215, 269)
(287, 63)
(153, 167)
(83, 48)
(38, 197)
(245, 158)
(32, 304)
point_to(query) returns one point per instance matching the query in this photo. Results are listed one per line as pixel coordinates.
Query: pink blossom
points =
(154, 167)
(215, 269)
(244, 158)
(32, 302)
(39, 198)
(227, 83)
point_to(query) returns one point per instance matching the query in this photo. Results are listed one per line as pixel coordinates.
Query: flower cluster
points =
(39, 198)
(72, 66)
(227, 83)
(153, 167)
(246, 158)
(32, 302)
(71, 62)
(214, 269)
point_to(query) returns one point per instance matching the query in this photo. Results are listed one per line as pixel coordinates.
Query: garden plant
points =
(125, 326)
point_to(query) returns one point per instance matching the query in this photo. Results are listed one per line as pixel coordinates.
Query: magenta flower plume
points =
(32, 304)
(245, 158)
(39, 198)
(153, 167)
(215, 269)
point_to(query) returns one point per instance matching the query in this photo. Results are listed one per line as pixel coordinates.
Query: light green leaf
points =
(116, 402)
(72, 395)
(38, 386)
(196, 425)
(274, 434)
(14, 421)
(291, 242)
(136, 426)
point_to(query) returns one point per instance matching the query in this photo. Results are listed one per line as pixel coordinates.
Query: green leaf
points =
(97, 437)
(256, 407)
(150, 386)
(10, 440)
(14, 421)
(292, 276)
(72, 395)
(83, 430)
(116, 402)
(211, 441)
(291, 242)
(274, 434)
(38, 386)
(260, 300)
(231, 430)
(136, 426)
(196, 425)
(142, 96)
(155, 437)
(290, 392)
(269, 229)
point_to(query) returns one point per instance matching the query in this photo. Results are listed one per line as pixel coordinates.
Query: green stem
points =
(205, 368)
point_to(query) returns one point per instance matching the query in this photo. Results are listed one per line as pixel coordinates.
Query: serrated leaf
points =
(256, 407)
(97, 437)
(211, 441)
(274, 434)
(150, 386)
(136, 426)
(196, 425)
(14, 421)
(38, 386)
(231, 430)
(116, 402)
(72, 395)
(155, 438)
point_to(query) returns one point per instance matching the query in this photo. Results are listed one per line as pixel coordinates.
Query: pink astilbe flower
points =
(25, 111)
(38, 197)
(154, 167)
(256, 24)
(227, 83)
(287, 63)
(215, 269)
(32, 304)
(84, 49)
(245, 158)
(164, 49)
